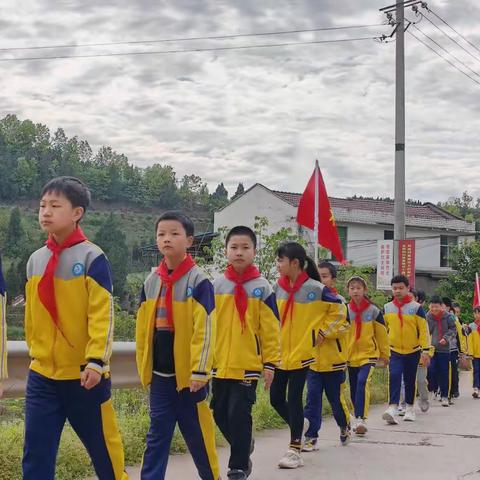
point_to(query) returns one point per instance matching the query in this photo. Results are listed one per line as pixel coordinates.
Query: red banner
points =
(406, 260)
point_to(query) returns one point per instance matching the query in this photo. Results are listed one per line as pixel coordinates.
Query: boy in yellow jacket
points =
(3, 330)
(69, 333)
(175, 339)
(409, 342)
(247, 344)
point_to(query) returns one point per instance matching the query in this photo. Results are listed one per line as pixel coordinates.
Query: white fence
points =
(123, 367)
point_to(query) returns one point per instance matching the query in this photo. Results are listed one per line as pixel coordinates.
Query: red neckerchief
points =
(284, 282)
(399, 304)
(241, 299)
(438, 319)
(358, 310)
(168, 279)
(333, 290)
(46, 286)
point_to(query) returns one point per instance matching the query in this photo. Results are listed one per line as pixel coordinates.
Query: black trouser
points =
(290, 406)
(454, 369)
(232, 403)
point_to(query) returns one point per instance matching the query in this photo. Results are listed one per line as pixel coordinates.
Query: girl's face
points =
(287, 267)
(476, 316)
(326, 277)
(356, 290)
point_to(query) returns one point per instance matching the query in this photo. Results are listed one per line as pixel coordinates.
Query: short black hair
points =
(456, 305)
(73, 188)
(242, 230)
(447, 301)
(180, 217)
(331, 267)
(421, 296)
(476, 309)
(436, 299)
(400, 279)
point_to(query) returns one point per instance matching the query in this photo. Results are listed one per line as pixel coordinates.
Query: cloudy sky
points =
(257, 115)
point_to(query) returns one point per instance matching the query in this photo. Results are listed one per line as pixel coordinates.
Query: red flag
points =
(476, 292)
(327, 228)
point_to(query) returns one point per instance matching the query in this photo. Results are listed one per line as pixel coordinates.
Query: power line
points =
(192, 50)
(445, 50)
(424, 5)
(441, 56)
(189, 39)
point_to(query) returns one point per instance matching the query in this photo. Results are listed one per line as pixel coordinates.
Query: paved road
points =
(442, 444)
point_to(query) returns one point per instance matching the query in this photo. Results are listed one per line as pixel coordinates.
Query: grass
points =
(132, 411)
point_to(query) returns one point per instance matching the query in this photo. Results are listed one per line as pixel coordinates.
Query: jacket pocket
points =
(338, 345)
(257, 342)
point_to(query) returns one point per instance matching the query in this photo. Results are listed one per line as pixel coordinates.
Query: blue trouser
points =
(48, 404)
(476, 372)
(360, 378)
(402, 365)
(454, 390)
(167, 407)
(333, 383)
(439, 373)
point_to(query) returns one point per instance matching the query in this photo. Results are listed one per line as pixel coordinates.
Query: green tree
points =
(240, 191)
(219, 198)
(15, 237)
(160, 186)
(193, 191)
(111, 239)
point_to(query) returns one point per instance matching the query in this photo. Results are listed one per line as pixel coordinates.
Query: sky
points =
(255, 115)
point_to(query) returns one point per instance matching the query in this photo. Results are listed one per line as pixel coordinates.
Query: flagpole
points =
(315, 220)
(477, 286)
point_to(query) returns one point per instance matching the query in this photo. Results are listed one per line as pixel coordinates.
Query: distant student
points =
(409, 342)
(175, 340)
(473, 339)
(247, 345)
(368, 344)
(422, 371)
(328, 276)
(3, 330)
(307, 312)
(458, 349)
(69, 333)
(442, 329)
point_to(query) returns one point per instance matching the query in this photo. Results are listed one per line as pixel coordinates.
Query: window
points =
(447, 244)
(388, 234)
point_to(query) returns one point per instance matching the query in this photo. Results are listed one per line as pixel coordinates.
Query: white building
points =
(361, 223)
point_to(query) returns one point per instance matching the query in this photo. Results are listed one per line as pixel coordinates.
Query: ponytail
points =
(311, 269)
(295, 251)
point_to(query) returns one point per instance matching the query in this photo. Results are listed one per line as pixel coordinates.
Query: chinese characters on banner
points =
(406, 260)
(384, 264)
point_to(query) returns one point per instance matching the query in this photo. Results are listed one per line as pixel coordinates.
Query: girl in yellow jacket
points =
(368, 343)
(473, 341)
(306, 309)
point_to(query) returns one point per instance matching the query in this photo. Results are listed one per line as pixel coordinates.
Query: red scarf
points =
(46, 286)
(168, 279)
(284, 282)
(399, 304)
(438, 319)
(333, 290)
(358, 310)
(241, 299)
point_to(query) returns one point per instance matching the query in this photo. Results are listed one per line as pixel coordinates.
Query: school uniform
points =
(473, 342)
(458, 345)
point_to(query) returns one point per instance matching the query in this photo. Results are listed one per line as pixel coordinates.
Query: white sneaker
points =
(390, 415)
(401, 410)
(291, 459)
(409, 414)
(361, 427)
(424, 405)
(353, 423)
(445, 402)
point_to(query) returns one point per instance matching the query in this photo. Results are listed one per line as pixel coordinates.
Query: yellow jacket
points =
(373, 341)
(243, 355)
(316, 311)
(473, 340)
(83, 293)
(194, 323)
(3, 327)
(460, 341)
(414, 335)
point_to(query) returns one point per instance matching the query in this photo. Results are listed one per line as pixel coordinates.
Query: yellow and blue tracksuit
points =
(473, 342)
(458, 345)
(170, 398)
(83, 293)
(407, 341)
(364, 352)
(240, 357)
(327, 372)
(3, 327)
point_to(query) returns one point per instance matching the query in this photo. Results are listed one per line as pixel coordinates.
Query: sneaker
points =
(353, 423)
(424, 405)
(310, 445)
(291, 459)
(450, 401)
(401, 410)
(361, 427)
(236, 475)
(409, 414)
(456, 395)
(390, 415)
(445, 402)
(475, 393)
(345, 436)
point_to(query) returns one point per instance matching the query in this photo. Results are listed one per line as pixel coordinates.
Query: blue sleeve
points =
(143, 296)
(421, 312)
(101, 272)
(271, 302)
(329, 296)
(380, 318)
(203, 294)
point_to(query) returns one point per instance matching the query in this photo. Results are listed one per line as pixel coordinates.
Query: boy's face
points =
(356, 290)
(240, 252)
(326, 277)
(57, 215)
(399, 290)
(458, 310)
(436, 308)
(172, 239)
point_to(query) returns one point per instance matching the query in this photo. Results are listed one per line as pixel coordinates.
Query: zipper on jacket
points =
(338, 345)
(258, 344)
(314, 338)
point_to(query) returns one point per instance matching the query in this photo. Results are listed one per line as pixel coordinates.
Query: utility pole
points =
(399, 205)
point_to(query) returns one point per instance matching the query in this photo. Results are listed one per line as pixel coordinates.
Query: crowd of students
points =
(192, 335)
